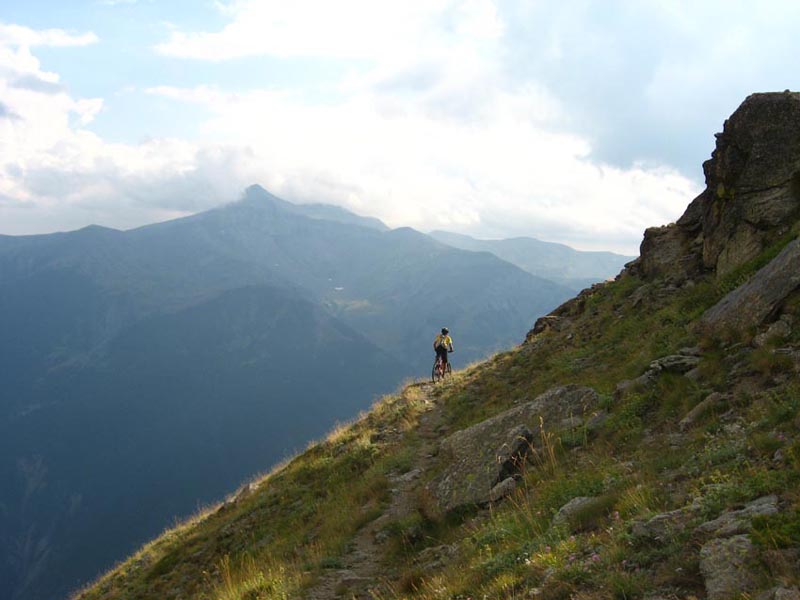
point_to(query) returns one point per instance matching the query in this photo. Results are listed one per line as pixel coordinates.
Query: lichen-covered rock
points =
(478, 458)
(750, 304)
(738, 521)
(726, 565)
(664, 526)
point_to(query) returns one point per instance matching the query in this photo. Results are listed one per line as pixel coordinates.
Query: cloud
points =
(17, 35)
(429, 127)
(653, 79)
(55, 174)
(426, 128)
(432, 125)
(35, 84)
(498, 173)
(6, 113)
(367, 29)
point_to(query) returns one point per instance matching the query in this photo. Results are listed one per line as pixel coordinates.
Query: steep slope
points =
(638, 444)
(228, 338)
(556, 262)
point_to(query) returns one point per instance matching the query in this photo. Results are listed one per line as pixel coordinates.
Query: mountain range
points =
(572, 268)
(146, 372)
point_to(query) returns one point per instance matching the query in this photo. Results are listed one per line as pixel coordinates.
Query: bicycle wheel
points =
(448, 370)
(436, 372)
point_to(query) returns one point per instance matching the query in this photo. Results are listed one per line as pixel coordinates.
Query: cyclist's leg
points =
(441, 357)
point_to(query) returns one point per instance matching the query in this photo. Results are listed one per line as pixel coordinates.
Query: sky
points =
(575, 121)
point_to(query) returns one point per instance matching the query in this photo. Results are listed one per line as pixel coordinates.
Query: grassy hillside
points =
(299, 531)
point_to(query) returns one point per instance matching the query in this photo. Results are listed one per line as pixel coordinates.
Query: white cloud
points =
(369, 29)
(425, 130)
(431, 133)
(498, 173)
(17, 35)
(56, 175)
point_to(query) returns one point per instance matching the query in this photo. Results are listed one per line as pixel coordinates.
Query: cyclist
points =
(442, 345)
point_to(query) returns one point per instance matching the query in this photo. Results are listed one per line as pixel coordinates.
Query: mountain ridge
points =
(556, 262)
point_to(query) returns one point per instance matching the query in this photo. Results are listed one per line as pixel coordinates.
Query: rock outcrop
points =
(726, 567)
(751, 304)
(727, 560)
(480, 460)
(752, 194)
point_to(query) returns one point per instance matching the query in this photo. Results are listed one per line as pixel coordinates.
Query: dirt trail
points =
(362, 573)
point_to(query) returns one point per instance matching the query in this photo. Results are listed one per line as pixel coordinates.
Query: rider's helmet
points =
(445, 331)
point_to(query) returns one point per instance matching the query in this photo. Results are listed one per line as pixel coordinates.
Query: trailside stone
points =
(478, 458)
(572, 508)
(750, 304)
(725, 564)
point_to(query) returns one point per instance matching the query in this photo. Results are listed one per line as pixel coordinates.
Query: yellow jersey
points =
(443, 340)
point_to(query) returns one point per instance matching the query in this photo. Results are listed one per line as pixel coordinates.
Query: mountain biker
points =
(442, 345)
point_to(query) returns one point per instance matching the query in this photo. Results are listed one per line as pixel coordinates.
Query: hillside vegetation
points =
(644, 441)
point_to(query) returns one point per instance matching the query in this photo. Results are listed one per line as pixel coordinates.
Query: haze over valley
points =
(225, 341)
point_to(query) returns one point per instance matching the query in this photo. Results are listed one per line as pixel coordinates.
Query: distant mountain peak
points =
(259, 193)
(256, 195)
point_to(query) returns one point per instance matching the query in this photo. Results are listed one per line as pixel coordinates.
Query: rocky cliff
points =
(752, 195)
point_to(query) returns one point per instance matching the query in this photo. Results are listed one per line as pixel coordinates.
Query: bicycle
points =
(440, 371)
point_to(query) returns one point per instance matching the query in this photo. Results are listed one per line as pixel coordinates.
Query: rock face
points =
(752, 194)
(480, 457)
(750, 304)
(725, 565)
(727, 560)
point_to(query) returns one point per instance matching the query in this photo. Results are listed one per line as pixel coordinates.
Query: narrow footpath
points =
(362, 575)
